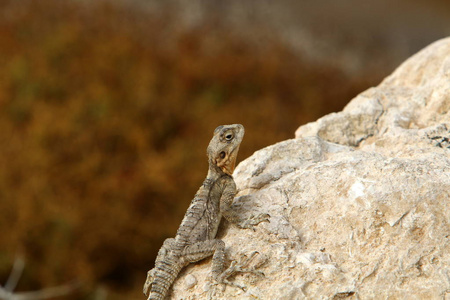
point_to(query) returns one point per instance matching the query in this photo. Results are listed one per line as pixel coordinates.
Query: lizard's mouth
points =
(228, 164)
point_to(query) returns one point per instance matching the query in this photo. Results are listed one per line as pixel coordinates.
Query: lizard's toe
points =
(255, 220)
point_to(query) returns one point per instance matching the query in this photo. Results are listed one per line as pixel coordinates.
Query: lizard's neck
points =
(214, 172)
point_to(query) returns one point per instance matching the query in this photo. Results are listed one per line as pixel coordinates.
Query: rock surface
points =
(359, 200)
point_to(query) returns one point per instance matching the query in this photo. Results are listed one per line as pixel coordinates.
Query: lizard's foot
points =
(148, 281)
(255, 220)
(241, 267)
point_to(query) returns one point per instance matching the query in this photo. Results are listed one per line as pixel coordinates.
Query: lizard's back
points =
(203, 216)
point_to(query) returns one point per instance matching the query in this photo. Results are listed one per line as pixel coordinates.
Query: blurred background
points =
(106, 109)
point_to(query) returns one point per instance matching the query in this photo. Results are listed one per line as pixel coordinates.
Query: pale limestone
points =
(359, 201)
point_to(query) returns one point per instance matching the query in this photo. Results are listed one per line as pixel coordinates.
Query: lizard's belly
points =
(215, 226)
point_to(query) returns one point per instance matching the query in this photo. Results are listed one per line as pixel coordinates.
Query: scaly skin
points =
(195, 238)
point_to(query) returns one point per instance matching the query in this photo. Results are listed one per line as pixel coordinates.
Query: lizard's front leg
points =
(232, 216)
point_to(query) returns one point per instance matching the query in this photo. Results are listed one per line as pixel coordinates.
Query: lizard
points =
(195, 239)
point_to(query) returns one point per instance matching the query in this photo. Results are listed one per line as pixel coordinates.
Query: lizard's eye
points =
(222, 154)
(229, 136)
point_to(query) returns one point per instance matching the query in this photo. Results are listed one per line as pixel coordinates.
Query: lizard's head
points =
(224, 146)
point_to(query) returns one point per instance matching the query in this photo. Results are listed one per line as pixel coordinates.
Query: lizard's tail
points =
(165, 275)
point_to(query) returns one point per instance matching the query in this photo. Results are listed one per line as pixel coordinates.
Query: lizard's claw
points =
(255, 220)
(148, 281)
(242, 267)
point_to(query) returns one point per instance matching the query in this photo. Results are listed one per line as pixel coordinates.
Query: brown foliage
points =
(105, 114)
